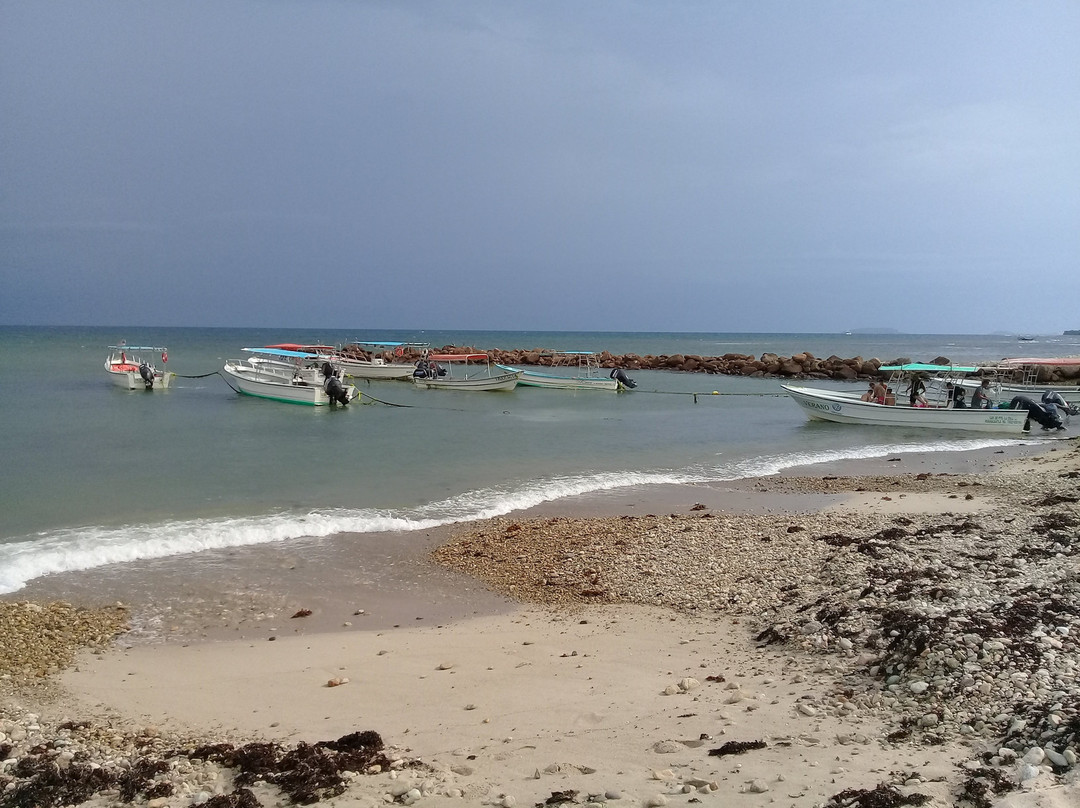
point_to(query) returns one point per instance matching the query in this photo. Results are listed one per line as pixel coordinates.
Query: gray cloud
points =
(687, 166)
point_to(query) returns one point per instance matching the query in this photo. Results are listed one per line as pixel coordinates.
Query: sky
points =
(762, 166)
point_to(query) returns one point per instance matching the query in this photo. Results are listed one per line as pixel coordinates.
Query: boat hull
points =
(253, 381)
(1006, 392)
(826, 405)
(501, 381)
(132, 380)
(532, 378)
(373, 370)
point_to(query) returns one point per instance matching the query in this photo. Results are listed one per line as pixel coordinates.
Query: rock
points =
(667, 747)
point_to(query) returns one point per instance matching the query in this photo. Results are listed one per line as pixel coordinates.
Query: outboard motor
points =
(1046, 417)
(619, 375)
(428, 369)
(332, 385)
(147, 374)
(1053, 400)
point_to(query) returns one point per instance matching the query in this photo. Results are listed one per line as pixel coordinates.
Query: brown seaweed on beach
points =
(306, 773)
(139, 779)
(559, 798)
(977, 787)
(241, 798)
(883, 796)
(737, 748)
(1054, 521)
(46, 785)
(302, 613)
(1051, 500)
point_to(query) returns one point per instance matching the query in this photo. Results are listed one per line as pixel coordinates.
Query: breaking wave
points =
(74, 549)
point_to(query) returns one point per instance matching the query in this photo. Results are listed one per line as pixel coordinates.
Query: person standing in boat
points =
(917, 391)
(980, 399)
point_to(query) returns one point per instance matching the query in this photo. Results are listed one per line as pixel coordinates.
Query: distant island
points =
(1075, 333)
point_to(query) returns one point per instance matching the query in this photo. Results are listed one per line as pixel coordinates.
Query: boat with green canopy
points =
(936, 409)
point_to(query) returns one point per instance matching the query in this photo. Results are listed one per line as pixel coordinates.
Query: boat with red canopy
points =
(471, 371)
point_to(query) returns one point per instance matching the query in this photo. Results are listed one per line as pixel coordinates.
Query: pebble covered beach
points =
(944, 629)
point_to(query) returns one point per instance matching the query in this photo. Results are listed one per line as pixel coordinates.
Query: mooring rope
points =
(373, 399)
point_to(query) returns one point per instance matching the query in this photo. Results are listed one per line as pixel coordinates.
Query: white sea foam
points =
(773, 464)
(77, 549)
(85, 548)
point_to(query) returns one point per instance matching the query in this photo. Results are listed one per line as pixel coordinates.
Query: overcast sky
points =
(628, 166)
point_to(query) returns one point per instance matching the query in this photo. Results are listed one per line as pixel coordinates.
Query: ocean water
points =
(92, 475)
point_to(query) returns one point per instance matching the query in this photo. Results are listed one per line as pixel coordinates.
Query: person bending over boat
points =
(879, 393)
(980, 399)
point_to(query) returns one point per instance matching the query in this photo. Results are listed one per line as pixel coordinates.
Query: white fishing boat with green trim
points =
(939, 413)
(1023, 377)
(295, 377)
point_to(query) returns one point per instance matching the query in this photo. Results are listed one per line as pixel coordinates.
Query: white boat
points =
(586, 373)
(366, 360)
(296, 377)
(1020, 377)
(130, 369)
(847, 408)
(459, 374)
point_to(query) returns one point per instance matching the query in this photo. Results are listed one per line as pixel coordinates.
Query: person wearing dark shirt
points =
(980, 399)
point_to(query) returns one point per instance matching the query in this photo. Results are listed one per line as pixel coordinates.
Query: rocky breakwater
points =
(799, 366)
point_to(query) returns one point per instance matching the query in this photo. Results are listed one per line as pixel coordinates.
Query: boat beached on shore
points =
(849, 408)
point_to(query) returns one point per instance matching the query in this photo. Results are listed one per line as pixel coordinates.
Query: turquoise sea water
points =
(93, 475)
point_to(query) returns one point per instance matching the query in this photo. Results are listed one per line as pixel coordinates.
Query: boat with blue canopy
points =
(282, 374)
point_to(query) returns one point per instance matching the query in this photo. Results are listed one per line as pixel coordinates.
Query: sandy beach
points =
(877, 634)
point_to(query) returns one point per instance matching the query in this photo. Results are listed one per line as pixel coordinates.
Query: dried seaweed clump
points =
(883, 796)
(307, 773)
(736, 748)
(241, 798)
(978, 787)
